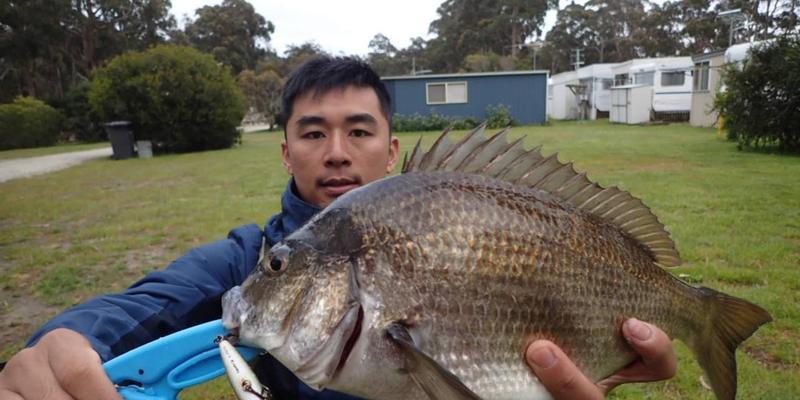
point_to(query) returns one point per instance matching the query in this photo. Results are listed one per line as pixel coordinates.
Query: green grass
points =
(46, 151)
(98, 227)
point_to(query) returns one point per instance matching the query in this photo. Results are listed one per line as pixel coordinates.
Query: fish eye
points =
(277, 261)
(276, 264)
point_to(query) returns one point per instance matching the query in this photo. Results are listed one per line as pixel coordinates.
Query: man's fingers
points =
(6, 395)
(26, 375)
(653, 346)
(656, 361)
(558, 374)
(79, 370)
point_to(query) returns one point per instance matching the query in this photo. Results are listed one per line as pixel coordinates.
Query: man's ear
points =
(285, 156)
(394, 153)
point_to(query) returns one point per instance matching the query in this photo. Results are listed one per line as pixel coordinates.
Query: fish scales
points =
(430, 284)
(529, 259)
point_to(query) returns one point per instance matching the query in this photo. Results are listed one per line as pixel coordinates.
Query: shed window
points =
(701, 76)
(674, 78)
(447, 92)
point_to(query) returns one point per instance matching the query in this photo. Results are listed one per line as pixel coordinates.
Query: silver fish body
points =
(433, 282)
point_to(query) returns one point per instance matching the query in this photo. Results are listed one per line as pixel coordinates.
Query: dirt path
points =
(30, 166)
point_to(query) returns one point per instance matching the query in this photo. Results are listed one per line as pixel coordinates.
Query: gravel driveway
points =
(30, 166)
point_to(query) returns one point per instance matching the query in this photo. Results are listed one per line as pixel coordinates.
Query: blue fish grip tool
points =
(162, 368)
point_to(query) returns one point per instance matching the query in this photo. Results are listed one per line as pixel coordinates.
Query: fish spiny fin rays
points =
(436, 381)
(498, 158)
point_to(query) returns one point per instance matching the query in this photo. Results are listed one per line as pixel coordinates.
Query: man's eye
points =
(359, 133)
(313, 135)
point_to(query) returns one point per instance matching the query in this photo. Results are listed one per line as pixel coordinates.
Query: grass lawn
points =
(46, 151)
(100, 226)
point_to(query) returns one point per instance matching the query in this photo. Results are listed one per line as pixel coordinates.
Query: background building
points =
(468, 95)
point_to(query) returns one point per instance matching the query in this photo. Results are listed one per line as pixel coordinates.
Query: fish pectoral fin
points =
(436, 381)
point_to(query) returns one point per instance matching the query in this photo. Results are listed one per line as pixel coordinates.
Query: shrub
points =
(465, 123)
(79, 121)
(761, 106)
(499, 116)
(175, 96)
(28, 122)
(430, 122)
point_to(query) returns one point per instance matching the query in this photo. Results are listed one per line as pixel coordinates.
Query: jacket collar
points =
(294, 213)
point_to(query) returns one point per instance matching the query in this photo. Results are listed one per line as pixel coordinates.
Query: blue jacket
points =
(187, 293)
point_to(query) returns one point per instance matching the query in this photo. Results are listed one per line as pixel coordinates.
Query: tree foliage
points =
(478, 26)
(48, 46)
(619, 30)
(298, 54)
(262, 92)
(80, 122)
(48, 49)
(231, 32)
(176, 96)
(383, 57)
(760, 105)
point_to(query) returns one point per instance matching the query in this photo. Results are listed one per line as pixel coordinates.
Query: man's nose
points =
(337, 153)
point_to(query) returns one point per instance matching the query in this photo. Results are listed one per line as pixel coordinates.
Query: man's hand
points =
(62, 365)
(564, 380)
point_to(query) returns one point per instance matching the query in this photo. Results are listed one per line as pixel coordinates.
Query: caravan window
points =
(621, 79)
(644, 78)
(700, 81)
(607, 83)
(675, 78)
(446, 92)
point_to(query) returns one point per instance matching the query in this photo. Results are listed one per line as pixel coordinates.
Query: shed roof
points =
(467, 75)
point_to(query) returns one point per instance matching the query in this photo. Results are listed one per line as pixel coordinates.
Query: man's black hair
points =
(323, 74)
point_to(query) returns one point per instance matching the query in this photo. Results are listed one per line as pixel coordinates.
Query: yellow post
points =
(720, 127)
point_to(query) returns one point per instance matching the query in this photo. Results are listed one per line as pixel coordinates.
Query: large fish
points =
(430, 284)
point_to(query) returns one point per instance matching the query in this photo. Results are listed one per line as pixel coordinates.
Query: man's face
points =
(336, 142)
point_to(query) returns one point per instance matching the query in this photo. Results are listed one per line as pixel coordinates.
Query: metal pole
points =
(730, 32)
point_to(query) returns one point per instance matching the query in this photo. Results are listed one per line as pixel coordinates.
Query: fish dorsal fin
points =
(498, 158)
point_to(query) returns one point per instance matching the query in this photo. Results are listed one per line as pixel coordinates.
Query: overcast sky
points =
(341, 26)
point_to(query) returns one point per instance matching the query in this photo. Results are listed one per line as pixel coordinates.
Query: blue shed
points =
(468, 95)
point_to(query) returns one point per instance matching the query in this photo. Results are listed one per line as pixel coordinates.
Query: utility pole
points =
(533, 46)
(735, 20)
(577, 58)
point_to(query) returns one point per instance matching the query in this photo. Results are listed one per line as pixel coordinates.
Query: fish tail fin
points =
(732, 321)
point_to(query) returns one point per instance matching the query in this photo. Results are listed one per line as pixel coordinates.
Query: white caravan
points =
(598, 80)
(670, 78)
(590, 91)
(560, 100)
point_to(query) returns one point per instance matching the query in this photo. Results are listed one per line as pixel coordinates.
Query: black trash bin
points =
(121, 136)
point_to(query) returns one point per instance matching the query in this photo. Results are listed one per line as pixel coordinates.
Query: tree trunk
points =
(88, 35)
(514, 32)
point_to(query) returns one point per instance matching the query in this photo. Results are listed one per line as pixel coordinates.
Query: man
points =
(336, 117)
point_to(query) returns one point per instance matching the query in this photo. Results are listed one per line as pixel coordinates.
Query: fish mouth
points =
(233, 309)
(323, 366)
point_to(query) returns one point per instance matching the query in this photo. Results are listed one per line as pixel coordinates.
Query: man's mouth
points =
(335, 187)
